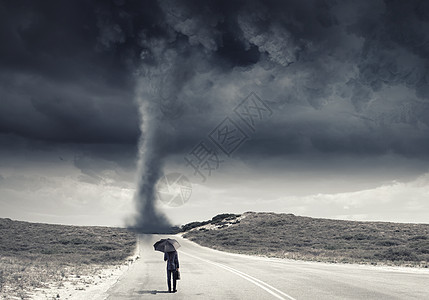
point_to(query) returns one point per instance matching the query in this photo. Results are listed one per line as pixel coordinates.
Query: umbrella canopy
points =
(166, 245)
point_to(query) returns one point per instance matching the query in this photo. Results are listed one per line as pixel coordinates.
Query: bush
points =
(418, 237)
(103, 247)
(398, 254)
(1, 280)
(193, 225)
(387, 243)
(218, 218)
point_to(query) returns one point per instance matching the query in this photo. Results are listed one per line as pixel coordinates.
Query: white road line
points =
(262, 282)
(263, 285)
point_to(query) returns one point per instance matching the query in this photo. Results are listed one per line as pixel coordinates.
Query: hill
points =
(33, 255)
(313, 239)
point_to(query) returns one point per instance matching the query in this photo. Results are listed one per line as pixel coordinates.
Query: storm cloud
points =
(69, 70)
(347, 78)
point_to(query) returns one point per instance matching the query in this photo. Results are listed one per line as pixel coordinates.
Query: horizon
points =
(201, 220)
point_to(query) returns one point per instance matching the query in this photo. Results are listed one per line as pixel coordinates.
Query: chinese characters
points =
(228, 136)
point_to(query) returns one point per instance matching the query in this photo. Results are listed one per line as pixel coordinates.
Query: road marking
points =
(263, 285)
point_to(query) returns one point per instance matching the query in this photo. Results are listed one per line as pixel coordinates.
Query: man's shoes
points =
(174, 291)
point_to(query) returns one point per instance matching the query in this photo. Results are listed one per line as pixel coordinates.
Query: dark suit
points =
(172, 259)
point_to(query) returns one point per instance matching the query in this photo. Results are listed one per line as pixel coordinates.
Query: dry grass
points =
(289, 236)
(35, 255)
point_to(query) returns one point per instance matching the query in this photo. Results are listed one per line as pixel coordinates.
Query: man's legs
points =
(169, 273)
(174, 280)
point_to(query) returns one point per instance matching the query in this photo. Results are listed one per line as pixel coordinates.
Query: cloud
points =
(54, 85)
(68, 201)
(321, 56)
(59, 185)
(272, 38)
(401, 201)
(342, 77)
(336, 195)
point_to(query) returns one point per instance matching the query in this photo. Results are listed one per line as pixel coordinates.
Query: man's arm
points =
(177, 260)
(165, 256)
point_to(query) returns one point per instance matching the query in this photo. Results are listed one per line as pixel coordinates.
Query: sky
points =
(316, 108)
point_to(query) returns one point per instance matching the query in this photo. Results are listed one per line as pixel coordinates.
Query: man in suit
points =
(172, 266)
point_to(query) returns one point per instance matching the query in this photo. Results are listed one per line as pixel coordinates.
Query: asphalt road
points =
(210, 274)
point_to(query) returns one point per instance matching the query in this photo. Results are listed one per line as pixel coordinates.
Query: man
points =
(172, 266)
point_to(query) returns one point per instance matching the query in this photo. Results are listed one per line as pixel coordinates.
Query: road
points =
(211, 274)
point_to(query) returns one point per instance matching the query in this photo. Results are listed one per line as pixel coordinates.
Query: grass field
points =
(289, 236)
(33, 255)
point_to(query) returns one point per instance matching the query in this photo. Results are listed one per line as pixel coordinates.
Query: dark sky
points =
(347, 83)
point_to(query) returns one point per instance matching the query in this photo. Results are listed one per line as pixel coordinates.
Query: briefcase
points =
(177, 274)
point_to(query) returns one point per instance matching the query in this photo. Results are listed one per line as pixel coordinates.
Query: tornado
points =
(151, 157)
(161, 78)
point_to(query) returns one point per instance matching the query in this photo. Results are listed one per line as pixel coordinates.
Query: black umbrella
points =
(166, 245)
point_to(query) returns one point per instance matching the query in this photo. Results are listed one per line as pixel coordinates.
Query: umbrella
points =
(166, 245)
